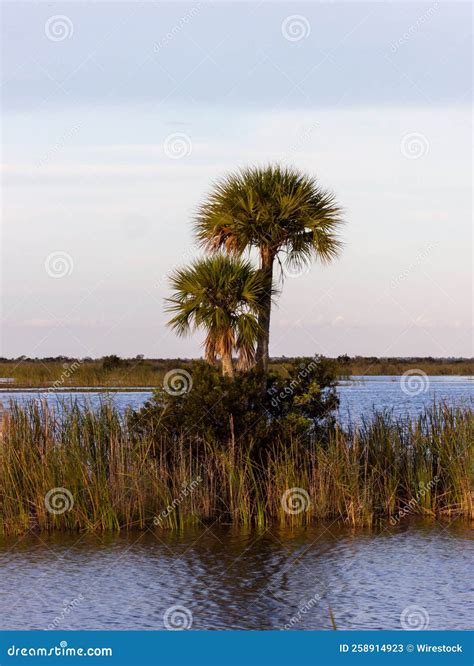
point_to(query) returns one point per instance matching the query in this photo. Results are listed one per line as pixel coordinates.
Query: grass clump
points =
(112, 475)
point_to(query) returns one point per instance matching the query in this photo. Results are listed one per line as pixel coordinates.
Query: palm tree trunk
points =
(227, 365)
(263, 341)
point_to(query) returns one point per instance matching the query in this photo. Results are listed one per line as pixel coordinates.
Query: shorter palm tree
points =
(221, 294)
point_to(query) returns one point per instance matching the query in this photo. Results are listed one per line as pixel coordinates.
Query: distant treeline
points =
(165, 362)
(64, 371)
(373, 365)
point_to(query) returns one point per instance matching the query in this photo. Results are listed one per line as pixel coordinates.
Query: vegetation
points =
(221, 295)
(64, 372)
(250, 443)
(219, 408)
(278, 211)
(108, 475)
(371, 365)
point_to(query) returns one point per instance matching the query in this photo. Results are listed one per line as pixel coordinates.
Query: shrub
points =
(112, 362)
(220, 409)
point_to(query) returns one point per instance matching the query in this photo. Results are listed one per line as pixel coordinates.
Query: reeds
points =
(63, 374)
(104, 477)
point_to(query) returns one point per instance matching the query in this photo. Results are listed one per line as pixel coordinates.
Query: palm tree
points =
(221, 294)
(277, 210)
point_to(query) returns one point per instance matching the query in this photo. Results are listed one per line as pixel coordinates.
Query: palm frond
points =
(276, 207)
(222, 295)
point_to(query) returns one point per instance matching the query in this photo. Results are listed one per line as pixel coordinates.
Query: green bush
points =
(219, 409)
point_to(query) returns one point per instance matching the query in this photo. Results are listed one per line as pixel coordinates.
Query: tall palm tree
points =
(277, 210)
(222, 295)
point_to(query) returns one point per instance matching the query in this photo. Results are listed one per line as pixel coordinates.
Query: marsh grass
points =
(90, 374)
(68, 373)
(384, 469)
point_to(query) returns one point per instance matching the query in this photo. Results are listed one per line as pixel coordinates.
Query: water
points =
(402, 396)
(229, 578)
(359, 396)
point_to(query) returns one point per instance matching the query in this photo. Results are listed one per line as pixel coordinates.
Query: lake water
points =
(359, 396)
(226, 578)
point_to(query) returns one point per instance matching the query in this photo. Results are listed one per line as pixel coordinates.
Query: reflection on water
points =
(231, 578)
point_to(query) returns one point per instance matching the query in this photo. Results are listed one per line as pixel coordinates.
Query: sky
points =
(118, 117)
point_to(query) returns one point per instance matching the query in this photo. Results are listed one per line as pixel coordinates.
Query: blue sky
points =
(117, 117)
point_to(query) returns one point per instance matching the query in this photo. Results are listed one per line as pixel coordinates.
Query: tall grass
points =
(89, 374)
(386, 468)
(63, 374)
